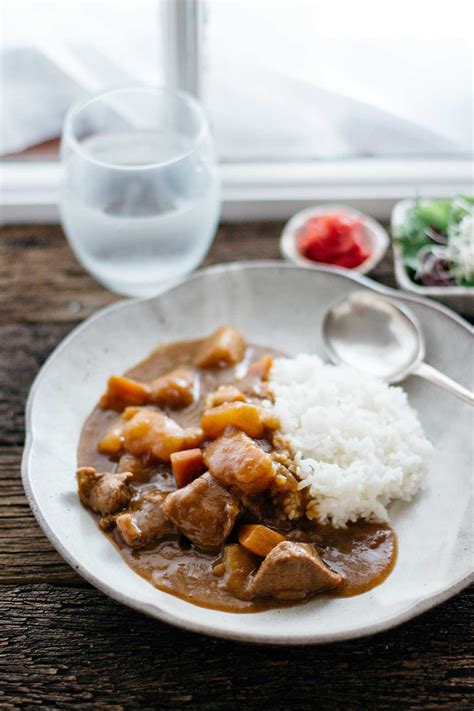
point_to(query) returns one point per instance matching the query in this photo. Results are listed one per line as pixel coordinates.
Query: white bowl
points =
(377, 236)
(459, 298)
(282, 306)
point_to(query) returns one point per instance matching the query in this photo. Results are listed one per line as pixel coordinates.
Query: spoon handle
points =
(434, 376)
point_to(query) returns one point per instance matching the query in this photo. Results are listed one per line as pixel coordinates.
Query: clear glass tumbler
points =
(140, 199)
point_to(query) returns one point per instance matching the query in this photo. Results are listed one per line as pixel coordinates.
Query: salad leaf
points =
(461, 207)
(411, 236)
(411, 252)
(436, 215)
(424, 239)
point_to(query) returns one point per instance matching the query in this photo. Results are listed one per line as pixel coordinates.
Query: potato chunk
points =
(111, 443)
(123, 391)
(225, 347)
(175, 389)
(225, 393)
(259, 539)
(187, 465)
(153, 434)
(241, 415)
(237, 566)
(236, 461)
(193, 437)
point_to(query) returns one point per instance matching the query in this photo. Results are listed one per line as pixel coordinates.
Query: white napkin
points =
(37, 87)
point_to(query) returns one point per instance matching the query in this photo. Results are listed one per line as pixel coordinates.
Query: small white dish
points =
(377, 236)
(459, 298)
(281, 306)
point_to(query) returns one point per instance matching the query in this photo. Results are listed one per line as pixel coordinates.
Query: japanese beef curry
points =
(182, 464)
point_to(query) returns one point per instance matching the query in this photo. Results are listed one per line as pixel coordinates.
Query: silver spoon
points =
(373, 335)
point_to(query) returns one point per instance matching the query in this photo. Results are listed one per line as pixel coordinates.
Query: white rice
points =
(357, 443)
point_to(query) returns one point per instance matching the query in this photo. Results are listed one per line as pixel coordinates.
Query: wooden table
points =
(63, 643)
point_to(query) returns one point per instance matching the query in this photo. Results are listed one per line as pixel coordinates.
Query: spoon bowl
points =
(373, 335)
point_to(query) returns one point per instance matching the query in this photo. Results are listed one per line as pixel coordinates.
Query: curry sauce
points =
(363, 553)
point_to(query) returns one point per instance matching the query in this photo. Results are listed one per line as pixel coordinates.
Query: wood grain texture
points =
(26, 555)
(63, 644)
(69, 645)
(41, 281)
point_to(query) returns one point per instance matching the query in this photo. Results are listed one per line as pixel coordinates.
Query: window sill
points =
(30, 189)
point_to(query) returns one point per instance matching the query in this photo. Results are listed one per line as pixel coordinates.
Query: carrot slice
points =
(259, 539)
(187, 466)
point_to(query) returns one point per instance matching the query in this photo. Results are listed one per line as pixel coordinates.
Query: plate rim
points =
(404, 615)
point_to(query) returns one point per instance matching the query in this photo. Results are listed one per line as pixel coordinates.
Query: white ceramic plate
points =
(377, 236)
(282, 306)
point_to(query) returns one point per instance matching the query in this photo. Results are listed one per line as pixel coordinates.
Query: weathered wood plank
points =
(26, 555)
(41, 281)
(69, 646)
(24, 349)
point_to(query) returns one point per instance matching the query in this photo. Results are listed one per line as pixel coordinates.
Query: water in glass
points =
(140, 203)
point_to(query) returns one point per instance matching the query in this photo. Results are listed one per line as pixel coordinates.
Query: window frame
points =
(29, 189)
(263, 191)
(183, 27)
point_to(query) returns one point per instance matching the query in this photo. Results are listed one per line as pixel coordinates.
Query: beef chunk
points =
(105, 493)
(225, 347)
(256, 507)
(153, 434)
(204, 511)
(145, 521)
(175, 389)
(107, 523)
(236, 460)
(130, 463)
(292, 571)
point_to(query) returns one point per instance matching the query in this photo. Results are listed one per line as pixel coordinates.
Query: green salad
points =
(436, 242)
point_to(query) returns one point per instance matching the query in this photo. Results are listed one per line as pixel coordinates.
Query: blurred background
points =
(365, 102)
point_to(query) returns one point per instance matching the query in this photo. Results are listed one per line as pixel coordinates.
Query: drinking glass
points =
(140, 199)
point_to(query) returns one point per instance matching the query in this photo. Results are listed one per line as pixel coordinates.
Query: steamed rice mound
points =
(356, 442)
